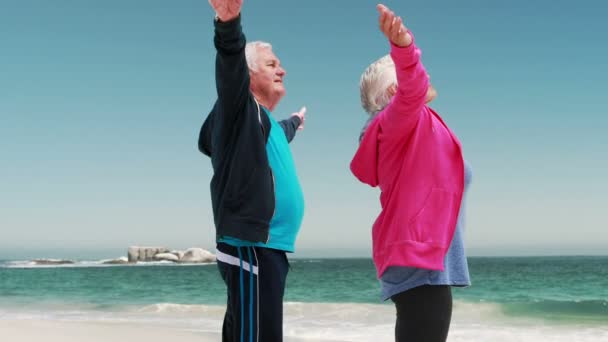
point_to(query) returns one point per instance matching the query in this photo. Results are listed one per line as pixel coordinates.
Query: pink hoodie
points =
(417, 161)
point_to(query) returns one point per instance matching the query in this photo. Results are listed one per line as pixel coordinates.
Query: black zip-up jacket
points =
(234, 135)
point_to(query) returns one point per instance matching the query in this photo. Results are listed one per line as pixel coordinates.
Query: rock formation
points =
(191, 255)
(144, 253)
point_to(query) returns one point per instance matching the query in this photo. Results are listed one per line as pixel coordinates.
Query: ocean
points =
(511, 299)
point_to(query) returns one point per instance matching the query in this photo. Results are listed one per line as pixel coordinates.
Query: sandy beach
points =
(55, 331)
(60, 331)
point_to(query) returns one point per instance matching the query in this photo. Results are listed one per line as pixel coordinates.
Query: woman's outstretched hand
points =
(392, 27)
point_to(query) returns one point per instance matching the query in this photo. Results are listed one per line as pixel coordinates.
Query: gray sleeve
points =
(290, 126)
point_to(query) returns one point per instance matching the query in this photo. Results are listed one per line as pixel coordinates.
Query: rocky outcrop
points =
(197, 255)
(191, 255)
(180, 254)
(166, 257)
(144, 253)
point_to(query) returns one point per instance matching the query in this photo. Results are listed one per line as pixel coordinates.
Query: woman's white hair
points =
(251, 52)
(374, 84)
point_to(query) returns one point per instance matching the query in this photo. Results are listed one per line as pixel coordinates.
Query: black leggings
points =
(423, 314)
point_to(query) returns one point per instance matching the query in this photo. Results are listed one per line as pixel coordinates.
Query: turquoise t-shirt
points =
(289, 199)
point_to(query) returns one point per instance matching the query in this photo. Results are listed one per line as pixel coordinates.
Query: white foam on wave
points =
(181, 309)
(34, 264)
(471, 322)
(487, 322)
(530, 332)
(97, 263)
(337, 322)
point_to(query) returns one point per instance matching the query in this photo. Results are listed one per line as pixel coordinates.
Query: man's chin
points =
(281, 91)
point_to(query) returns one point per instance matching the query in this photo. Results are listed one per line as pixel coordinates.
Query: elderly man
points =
(256, 197)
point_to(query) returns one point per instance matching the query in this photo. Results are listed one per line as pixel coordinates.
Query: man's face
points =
(267, 78)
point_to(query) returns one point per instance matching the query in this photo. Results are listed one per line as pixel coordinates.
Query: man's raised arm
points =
(231, 72)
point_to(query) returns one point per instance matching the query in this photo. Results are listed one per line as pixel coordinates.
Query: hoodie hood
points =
(365, 162)
(204, 137)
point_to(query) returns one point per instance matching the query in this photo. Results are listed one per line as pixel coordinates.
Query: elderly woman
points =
(410, 153)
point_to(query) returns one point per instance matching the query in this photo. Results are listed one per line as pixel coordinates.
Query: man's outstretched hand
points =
(302, 115)
(226, 10)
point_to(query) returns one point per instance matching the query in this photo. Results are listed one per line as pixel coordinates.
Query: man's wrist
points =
(299, 121)
(217, 18)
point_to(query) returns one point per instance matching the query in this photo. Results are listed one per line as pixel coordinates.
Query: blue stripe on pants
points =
(262, 319)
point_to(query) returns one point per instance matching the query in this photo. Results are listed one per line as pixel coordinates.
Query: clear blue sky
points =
(101, 103)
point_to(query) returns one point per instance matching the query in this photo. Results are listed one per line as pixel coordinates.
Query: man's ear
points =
(251, 76)
(392, 89)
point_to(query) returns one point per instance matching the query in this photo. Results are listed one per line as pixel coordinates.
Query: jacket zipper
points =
(274, 208)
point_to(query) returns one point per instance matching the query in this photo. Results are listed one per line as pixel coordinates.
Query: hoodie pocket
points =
(254, 198)
(432, 223)
(241, 188)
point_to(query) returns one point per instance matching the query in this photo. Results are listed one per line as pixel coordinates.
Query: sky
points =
(101, 103)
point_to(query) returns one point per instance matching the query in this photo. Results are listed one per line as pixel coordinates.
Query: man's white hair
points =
(251, 52)
(374, 84)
